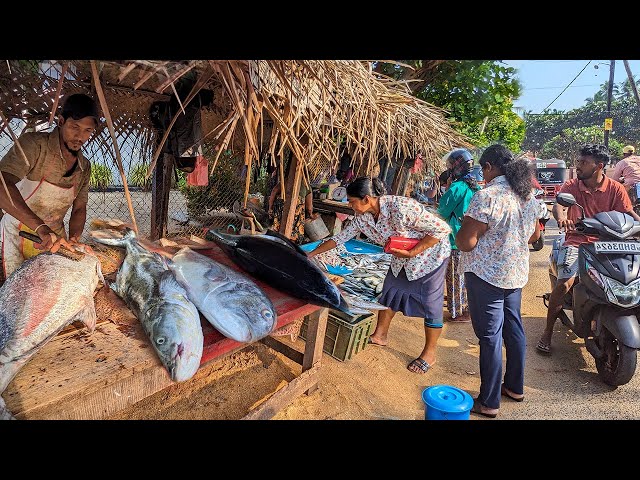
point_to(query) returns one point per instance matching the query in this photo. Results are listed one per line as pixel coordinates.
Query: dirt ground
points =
(375, 383)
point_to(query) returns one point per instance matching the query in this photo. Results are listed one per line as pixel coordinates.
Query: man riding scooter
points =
(596, 193)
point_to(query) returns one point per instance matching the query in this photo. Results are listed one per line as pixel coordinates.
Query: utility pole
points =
(608, 122)
(632, 81)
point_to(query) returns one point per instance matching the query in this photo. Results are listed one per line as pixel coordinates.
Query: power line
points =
(565, 88)
(553, 88)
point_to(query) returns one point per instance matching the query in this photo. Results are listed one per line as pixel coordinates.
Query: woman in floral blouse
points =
(501, 221)
(414, 284)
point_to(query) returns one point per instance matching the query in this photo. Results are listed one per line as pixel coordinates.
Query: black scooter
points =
(605, 298)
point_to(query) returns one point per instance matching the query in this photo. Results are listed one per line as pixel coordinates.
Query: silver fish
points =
(169, 318)
(44, 295)
(230, 301)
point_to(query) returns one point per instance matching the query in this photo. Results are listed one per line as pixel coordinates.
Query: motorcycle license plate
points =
(617, 247)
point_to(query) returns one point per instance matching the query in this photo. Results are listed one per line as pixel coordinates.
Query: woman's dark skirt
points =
(423, 297)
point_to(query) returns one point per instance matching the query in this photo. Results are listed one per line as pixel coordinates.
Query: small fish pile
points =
(368, 271)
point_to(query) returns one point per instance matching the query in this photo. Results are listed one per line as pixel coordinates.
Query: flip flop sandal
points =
(477, 409)
(543, 348)
(421, 364)
(505, 393)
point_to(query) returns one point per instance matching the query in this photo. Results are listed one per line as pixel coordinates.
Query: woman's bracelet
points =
(41, 225)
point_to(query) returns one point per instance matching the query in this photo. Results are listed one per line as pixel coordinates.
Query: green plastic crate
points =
(345, 336)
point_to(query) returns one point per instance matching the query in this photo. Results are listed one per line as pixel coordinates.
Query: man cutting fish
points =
(44, 180)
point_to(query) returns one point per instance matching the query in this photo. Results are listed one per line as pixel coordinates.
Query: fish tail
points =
(114, 237)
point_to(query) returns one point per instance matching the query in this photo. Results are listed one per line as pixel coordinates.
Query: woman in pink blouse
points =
(501, 221)
(414, 284)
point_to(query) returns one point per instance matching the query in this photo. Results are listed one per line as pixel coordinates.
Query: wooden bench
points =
(78, 375)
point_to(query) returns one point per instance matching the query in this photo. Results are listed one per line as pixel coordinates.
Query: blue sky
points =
(543, 80)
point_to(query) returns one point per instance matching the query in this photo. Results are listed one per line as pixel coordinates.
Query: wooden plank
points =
(81, 375)
(284, 349)
(160, 188)
(316, 329)
(305, 382)
(291, 198)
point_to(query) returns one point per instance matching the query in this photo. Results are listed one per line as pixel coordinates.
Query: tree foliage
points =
(566, 145)
(551, 127)
(477, 95)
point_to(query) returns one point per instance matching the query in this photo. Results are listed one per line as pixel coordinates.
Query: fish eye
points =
(267, 314)
(160, 340)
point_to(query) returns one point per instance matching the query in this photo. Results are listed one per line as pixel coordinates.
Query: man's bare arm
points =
(19, 209)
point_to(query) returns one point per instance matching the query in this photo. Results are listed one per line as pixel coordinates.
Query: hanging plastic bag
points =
(200, 175)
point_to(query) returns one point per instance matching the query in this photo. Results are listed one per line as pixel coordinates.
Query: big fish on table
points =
(168, 317)
(281, 263)
(44, 295)
(230, 301)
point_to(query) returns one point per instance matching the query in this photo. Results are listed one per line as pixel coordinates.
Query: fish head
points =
(175, 331)
(248, 313)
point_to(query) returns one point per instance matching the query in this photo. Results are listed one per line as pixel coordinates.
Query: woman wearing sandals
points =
(452, 206)
(414, 284)
(501, 221)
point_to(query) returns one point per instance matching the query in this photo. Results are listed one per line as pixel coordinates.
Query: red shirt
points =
(610, 196)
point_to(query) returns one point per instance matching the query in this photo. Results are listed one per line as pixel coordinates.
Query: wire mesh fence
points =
(190, 207)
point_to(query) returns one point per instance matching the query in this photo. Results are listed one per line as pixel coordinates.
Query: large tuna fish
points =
(230, 301)
(45, 294)
(169, 318)
(281, 263)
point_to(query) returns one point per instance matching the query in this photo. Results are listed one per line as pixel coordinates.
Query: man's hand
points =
(566, 224)
(314, 215)
(50, 241)
(397, 252)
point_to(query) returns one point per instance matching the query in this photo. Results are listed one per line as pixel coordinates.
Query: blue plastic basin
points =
(352, 246)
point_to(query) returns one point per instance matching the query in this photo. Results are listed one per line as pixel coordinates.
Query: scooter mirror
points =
(566, 199)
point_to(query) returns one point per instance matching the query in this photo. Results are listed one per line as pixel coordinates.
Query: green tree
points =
(476, 94)
(566, 145)
(101, 176)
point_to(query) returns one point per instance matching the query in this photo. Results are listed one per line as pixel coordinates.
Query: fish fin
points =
(168, 281)
(87, 315)
(222, 239)
(4, 413)
(289, 242)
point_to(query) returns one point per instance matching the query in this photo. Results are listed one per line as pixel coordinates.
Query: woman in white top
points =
(501, 221)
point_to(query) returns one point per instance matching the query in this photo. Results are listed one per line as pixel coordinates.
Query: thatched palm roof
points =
(309, 103)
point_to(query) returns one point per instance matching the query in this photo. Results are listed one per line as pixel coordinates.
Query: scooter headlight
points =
(623, 295)
(595, 276)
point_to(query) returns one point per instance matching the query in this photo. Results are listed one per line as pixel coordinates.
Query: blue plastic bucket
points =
(444, 402)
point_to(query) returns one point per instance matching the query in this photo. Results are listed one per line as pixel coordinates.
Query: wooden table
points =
(92, 376)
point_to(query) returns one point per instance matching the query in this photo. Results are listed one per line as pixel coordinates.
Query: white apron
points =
(46, 200)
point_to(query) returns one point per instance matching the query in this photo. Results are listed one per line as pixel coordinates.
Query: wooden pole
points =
(632, 82)
(107, 116)
(161, 188)
(292, 189)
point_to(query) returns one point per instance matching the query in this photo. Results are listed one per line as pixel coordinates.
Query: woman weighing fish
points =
(414, 284)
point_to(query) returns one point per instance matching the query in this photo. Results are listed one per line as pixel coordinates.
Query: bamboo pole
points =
(58, 90)
(107, 116)
(15, 139)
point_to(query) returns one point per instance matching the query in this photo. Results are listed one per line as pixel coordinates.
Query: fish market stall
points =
(78, 375)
